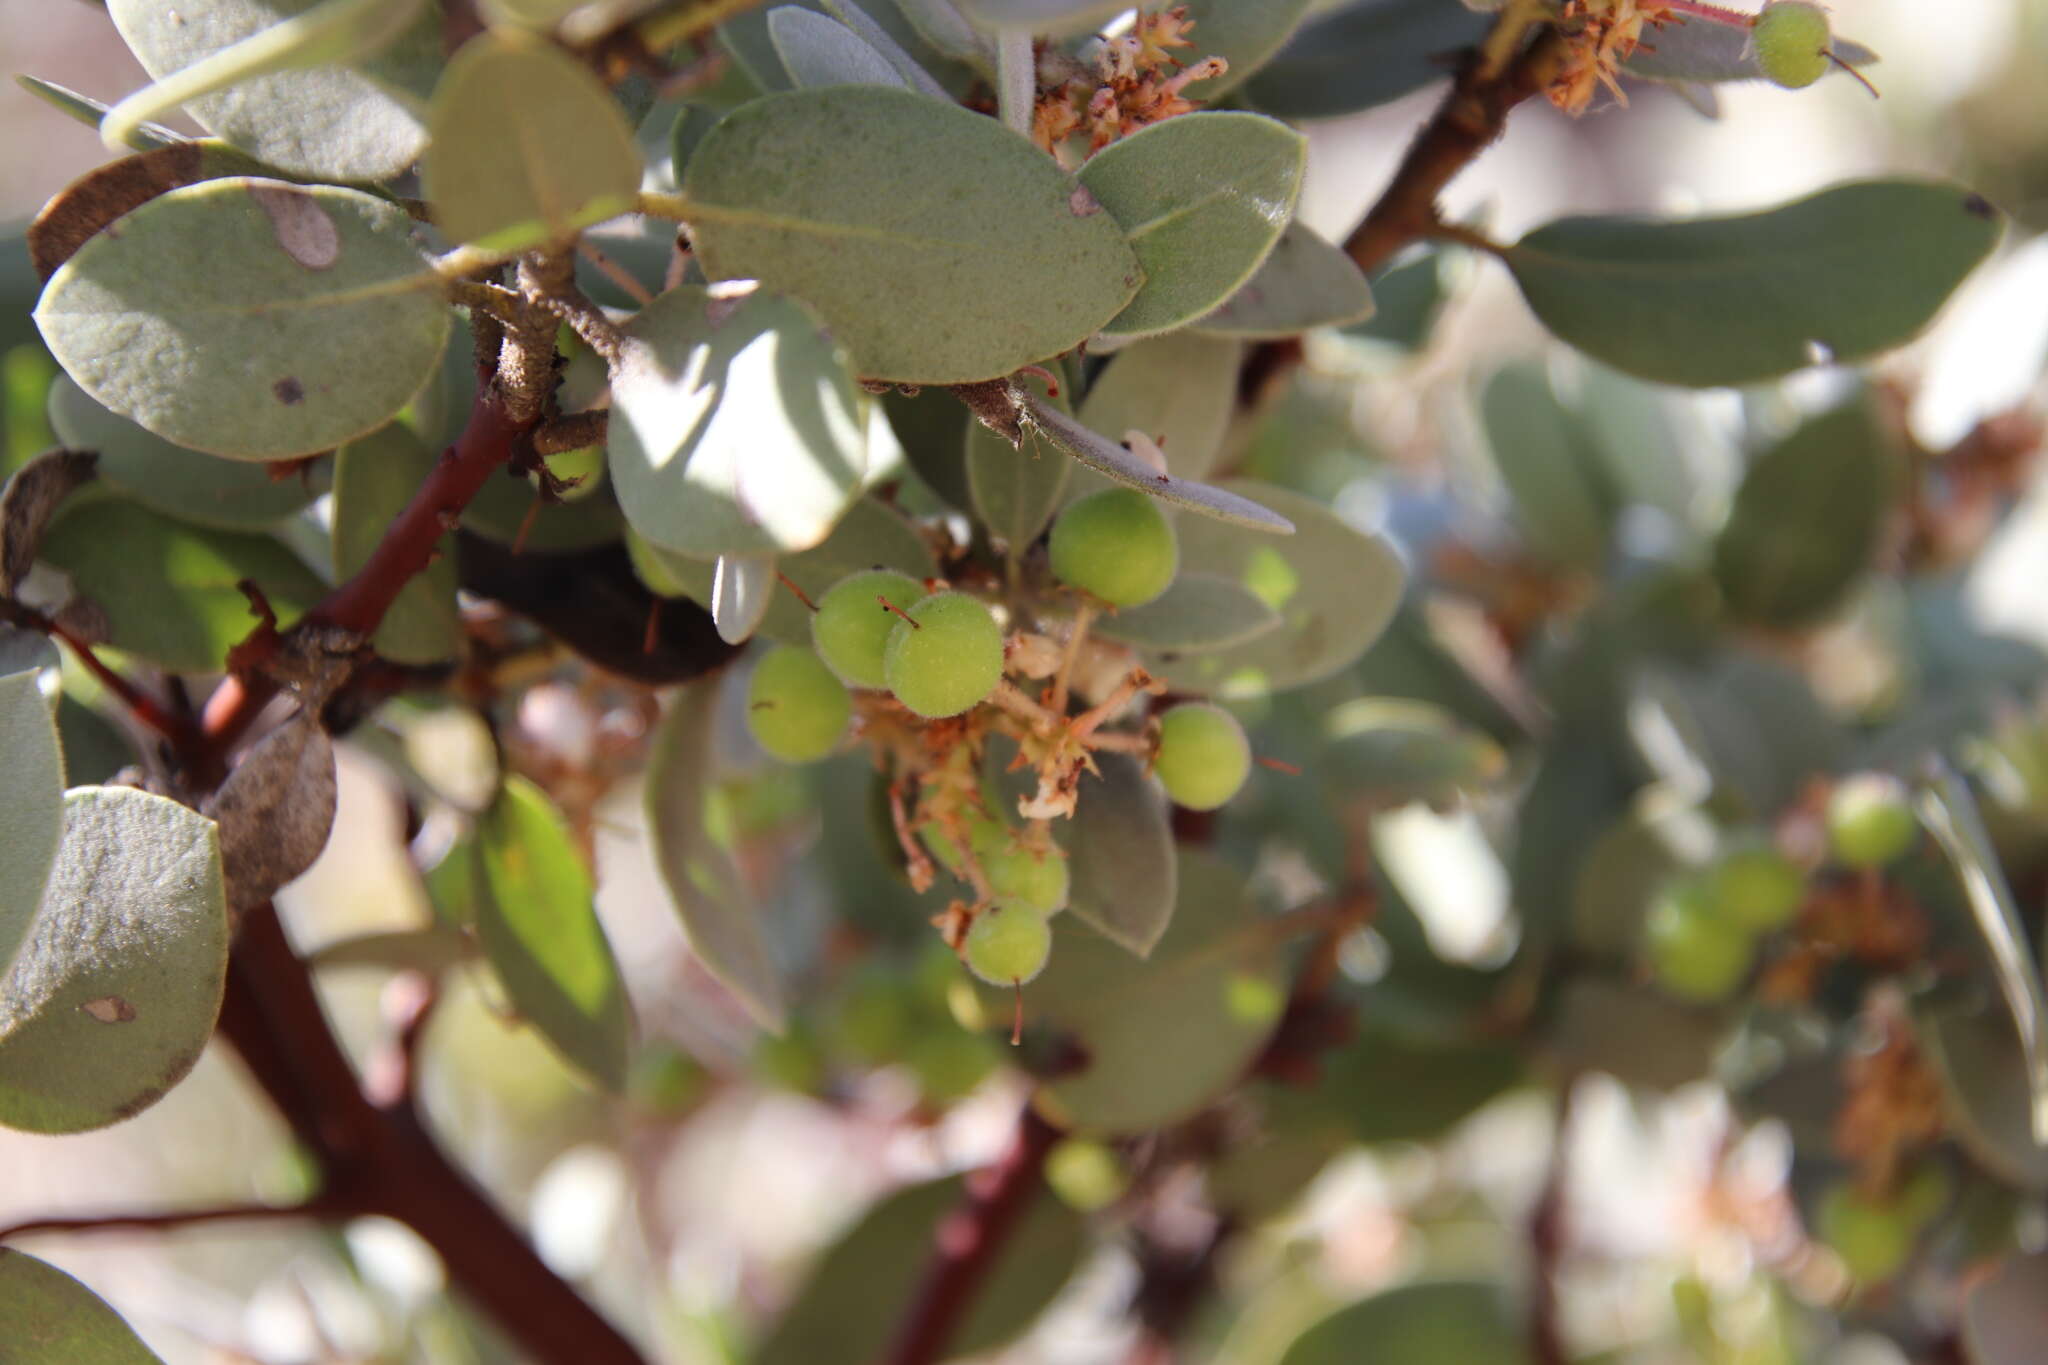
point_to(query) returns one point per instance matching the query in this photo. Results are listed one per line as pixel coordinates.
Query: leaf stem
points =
(1016, 79)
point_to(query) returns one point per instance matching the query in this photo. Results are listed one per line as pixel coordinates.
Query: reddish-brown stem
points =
(165, 1220)
(1548, 1239)
(146, 709)
(968, 1241)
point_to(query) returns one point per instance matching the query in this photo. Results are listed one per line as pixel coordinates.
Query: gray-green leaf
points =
(1199, 611)
(817, 50)
(1203, 199)
(115, 990)
(1179, 390)
(374, 479)
(326, 323)
(1244, 33)
(31, 804)
(735, 425)
(1120, 856)
(939, 246)
(1839, 276)
(48, 1318)
(1016, 490)
(1363, 54)
(1305, 283)
(1106, 457)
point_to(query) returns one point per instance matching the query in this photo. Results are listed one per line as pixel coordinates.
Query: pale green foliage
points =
(48, 1318)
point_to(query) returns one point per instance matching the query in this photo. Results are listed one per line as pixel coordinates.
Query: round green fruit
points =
(1792, 41)
(850, 629)
(1007, 945)
(1116, 545)
(795, 707)
(944, 656)
(1204, 756)
(1871, 821)
(1697, 953)
(1755, 886)
(1873, 1236)
(1085, 1174)
(1028, 878)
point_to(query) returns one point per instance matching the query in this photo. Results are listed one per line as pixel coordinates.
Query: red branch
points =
(968, 1241)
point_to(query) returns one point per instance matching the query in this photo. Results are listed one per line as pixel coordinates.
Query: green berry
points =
(1871, 821)
(1874, 1236)
(1028, 878)
(795, 707)
(1116, 545)
(1755, 886)
(850, 629)
(1008, 945)
(946, 657)
(1792, 41)
(1204, 757)
(1085, 1174)
(1697, 953)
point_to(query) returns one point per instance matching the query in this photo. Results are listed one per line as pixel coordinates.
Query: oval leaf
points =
(1363, 54)
(1015, 490)
(31, 804)
(1179, 390)
(703, 883)
(1841, 276)
(115, 991)
(1305, 283)
(735, 426)
(48, 1318)
(189, 485)
(364, 120)
(1335, 588)
(1167, 1035)
(1108, 458)
(1807, 520)
(374, 479)
(817, 50)
(275, 811)
(327, 324)
(1120, 858)
(169, 591)
(537, 921)
(1563, 503)
(1391, 751)
(1199, 611)
(1203, 198)
(527, 146)
(1244, 33)
(1442, 1321)
(939, 246)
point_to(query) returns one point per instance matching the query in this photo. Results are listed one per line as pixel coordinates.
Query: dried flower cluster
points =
(1133, 81)
(1603, 34)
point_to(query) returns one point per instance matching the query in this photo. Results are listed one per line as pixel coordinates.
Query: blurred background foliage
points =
(1641, 624)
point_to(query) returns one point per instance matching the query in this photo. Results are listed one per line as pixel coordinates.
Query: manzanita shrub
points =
(899, 434)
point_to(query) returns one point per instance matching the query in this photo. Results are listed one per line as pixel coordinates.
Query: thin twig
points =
(165, 1220)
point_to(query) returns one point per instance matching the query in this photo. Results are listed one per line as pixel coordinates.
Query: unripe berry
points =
(1871, 821)
(1085, 1174)
(1116, 545)
(1874, 1236)
(1755, 886)
(796, 709)
(1204, 757)
(946, 657)
(850, 628)
(1007, 945)
(1696, 953)
(1029, 878)
(1792, 41)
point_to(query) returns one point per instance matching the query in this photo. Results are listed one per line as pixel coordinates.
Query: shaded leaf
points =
(939, 246)
(1165, 1035)
(374, 479)
(189, 485)
(1040, 16)
(1335, 588)
(327, 325)
(816, 50)
(1180, 390)
(31, 802)
(703, 883)
(1107, 457)
(359, 120)
(536, 918)
(940, 23)
(1363, 54)
(431, 951)
(1717, 52)
(1987, 1092)
(735, 425)
(48, 1318)
(1643, 1039)
(275, 811)
(1563, 503)
(881, 40)
(90, 112)
(1120, 860)
(1391, 1089)
(927, 424)
(1305, 283)
(29, 501)
(168, 590)
(1391, 751)
(527, 146)
(1407, 299)
(1429, 1323)
(1015, 490)
(1202, 198)
(1852, 271)
(1754, 724)
(1198, 611)
(848, 1308)
(115, 990)
(1244, 33)
(1807, 520)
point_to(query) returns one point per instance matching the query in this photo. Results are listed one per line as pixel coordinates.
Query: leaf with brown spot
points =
(94, 200)
(110, 1009)
(29, 500)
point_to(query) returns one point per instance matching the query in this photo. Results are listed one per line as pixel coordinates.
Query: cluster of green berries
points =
(1010, 940)
(1701, 933)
